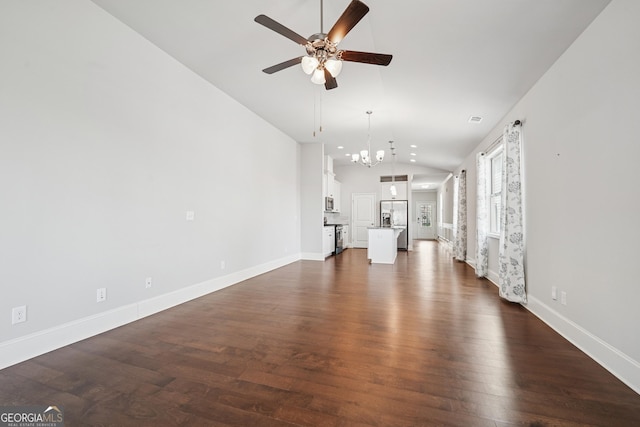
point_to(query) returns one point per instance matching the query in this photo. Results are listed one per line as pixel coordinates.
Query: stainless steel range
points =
(339, 239)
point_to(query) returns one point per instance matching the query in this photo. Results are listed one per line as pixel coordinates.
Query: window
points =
(494, 181)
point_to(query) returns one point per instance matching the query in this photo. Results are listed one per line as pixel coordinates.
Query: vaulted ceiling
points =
(452, 59)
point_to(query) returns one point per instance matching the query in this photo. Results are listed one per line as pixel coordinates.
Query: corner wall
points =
(106, 143)
(580, 183)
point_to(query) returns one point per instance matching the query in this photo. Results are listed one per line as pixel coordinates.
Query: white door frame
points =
(419, 228)
(360, 224)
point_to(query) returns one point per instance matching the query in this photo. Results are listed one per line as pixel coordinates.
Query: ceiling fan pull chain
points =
(317, 111)
(320, 91)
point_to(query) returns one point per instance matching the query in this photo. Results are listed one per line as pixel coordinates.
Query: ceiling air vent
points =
(475, 119)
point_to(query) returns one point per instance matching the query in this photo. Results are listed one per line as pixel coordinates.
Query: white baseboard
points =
(312, 256)
(615, 361)
(493, 277)
(23, 348)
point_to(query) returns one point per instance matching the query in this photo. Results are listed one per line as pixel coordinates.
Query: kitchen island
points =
(383, 244)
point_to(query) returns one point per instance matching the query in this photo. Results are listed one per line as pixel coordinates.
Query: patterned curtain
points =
(461, 224)
(482, 225)
(511, 254)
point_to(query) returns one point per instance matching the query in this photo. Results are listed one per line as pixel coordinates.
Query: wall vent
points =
(398, 178)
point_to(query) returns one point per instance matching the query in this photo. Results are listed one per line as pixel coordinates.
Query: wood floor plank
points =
(339, 343)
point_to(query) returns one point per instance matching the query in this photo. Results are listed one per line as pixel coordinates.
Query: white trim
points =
(312, 256)
(494, 277)
(615, 361)
(23, 348)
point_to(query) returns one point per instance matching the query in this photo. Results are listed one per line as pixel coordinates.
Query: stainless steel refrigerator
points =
(396, 212)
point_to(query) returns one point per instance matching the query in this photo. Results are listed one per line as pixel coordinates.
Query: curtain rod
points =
(499, 139)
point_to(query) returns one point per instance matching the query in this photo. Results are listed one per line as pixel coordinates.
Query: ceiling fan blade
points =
(282, 65)
(349, 18)
(366, 57)
(330, 81)
(280, 29)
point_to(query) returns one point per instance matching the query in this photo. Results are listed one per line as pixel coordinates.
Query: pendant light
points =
(364, 158)
(393, 190)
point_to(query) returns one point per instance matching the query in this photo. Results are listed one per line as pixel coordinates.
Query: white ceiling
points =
(452, 59)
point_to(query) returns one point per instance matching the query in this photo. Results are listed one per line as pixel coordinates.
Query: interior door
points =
(425, 217)
(364, 216)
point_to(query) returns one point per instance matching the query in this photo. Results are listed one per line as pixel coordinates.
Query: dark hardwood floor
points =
(339, 343)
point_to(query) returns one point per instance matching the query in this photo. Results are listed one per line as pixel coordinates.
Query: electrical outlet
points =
(563, 298)
(554, 293)
(190, 216)
(147, 282)
(222, 265)
(101, 295)
(19, 314)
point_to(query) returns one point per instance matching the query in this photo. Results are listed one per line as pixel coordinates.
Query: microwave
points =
(328, 204)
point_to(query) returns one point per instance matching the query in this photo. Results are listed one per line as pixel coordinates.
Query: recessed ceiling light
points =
(413, 146)
(425, 186)
(340, 147)
(412, 160)
(348, 155)
(475, 119)
(413, 154)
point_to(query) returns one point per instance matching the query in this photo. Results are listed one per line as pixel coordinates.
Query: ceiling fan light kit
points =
(323, 60)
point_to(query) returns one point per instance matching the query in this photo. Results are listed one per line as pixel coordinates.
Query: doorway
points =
(426, 220)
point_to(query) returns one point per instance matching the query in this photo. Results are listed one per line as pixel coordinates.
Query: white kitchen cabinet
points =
(346, 237)
(337, 187)
(383, 244)
(329, 185)
(328, 241)
(331, 189)
(401, 191)
(328, 164)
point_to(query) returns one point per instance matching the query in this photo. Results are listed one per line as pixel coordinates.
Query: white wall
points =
(312, 208)
(445, 209)
(106, 142)
(580, 154)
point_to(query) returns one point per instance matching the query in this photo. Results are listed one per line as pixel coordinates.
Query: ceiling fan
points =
(323, 59)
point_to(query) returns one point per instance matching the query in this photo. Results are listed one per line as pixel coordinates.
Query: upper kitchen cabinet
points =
(331, 187)
(336, 195)
(328, 164)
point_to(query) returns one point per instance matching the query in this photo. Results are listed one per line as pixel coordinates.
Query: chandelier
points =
(364, 158)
